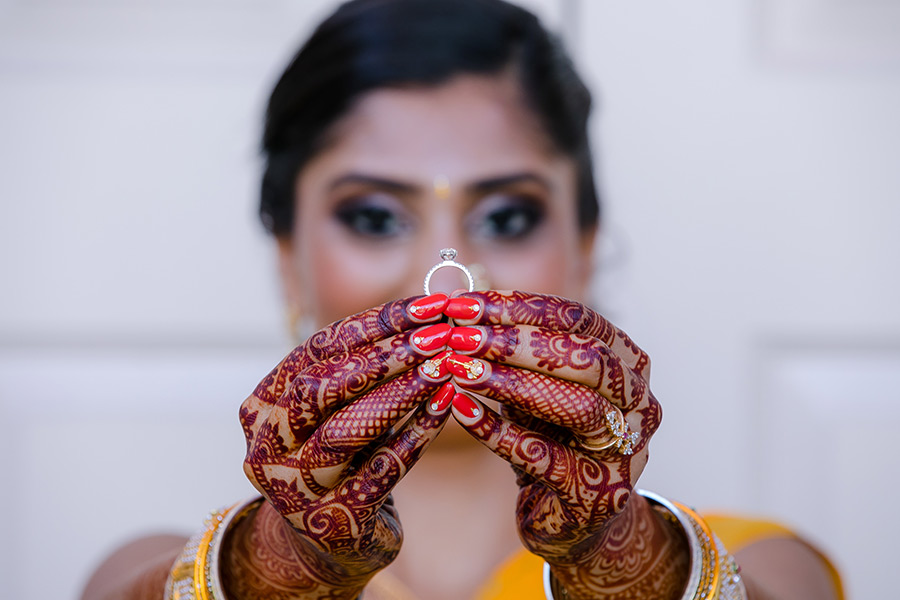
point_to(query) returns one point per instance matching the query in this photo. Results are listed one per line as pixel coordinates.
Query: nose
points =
(442, 230)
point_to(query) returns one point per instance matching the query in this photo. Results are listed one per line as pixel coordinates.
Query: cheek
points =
(549, 267)
(342, 279)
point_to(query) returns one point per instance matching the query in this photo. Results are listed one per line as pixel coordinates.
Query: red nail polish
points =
(431, 337)
(442, 398)
(436, 366)
(465, 339)
(465, 367)
(428, 307)
(466, 406)
(462, 308)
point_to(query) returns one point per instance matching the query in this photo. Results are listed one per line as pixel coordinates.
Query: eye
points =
(369, 217)
(509, 218)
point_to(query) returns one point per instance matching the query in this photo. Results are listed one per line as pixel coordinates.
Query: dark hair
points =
(371, 44)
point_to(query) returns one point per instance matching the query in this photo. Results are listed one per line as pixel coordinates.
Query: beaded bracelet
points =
(195, 574)
(714, 573)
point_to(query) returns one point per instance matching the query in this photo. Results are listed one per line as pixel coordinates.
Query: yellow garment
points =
(521, 577)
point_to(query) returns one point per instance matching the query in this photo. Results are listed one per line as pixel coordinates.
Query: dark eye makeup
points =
(507, 218)
(498, 215)
(372, 217)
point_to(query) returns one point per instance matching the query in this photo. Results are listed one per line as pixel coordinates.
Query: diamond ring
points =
(449, 260)
(622, 437)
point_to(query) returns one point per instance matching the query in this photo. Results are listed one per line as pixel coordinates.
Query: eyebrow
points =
(486, 185)
(481, 186)
(381, 182)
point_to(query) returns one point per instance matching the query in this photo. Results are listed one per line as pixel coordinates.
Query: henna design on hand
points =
(343, 336)
(325, 385)
(569, 501)
(640, 556)
(266, 559)
(571, 406)
(570, 494)
(572, 357)
(327, 454)
(323, 449)
(316, 447)
(556, 367)
(557, 314)
(336, 498)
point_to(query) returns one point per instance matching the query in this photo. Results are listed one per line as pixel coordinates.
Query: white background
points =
(748, 152)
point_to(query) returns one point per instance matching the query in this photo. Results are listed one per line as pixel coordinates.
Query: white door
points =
(748, 164)
(749, 155)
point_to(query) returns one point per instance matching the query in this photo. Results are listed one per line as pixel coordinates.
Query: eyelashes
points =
(513, 220)
(372, 219)
(496, 218)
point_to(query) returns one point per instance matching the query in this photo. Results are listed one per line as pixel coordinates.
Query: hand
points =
(321, 444)
(558, 369)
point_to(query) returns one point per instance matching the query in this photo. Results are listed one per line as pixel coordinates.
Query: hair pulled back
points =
(370, 44)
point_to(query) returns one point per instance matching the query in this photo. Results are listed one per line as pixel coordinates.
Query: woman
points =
(403, 127)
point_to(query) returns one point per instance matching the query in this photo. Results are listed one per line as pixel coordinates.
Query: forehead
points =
(469, 126)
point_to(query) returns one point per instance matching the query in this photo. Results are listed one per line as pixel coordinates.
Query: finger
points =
(569, 473)
(377, 477)
(590, 414)
(531, 422)
(326, 455)
(367, 327)
(359, 512)
(550, 312)
(343, 336)
(596, 421)
(572, 406)
(576, 358)
(274, 431)
(326, 386)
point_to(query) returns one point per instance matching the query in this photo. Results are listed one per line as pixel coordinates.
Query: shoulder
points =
(777, 557)
(137, 569)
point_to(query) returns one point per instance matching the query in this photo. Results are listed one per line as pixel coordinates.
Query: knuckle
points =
(385, 319)
(575, 317)
(504, 340)
(655, 414)
(512, 382)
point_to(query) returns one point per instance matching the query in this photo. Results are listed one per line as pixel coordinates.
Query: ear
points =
(290, 277)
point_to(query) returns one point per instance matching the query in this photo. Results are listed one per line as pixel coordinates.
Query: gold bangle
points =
(195, 575)
(714, 574)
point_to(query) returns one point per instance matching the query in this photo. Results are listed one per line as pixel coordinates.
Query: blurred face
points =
(408, 172)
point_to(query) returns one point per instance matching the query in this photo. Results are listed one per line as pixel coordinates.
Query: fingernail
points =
(442, 399)
(436, 367)
(466, 407)
(428, 307)
(462, 308)
(465, 367)
(465, 339)
(431, 337)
